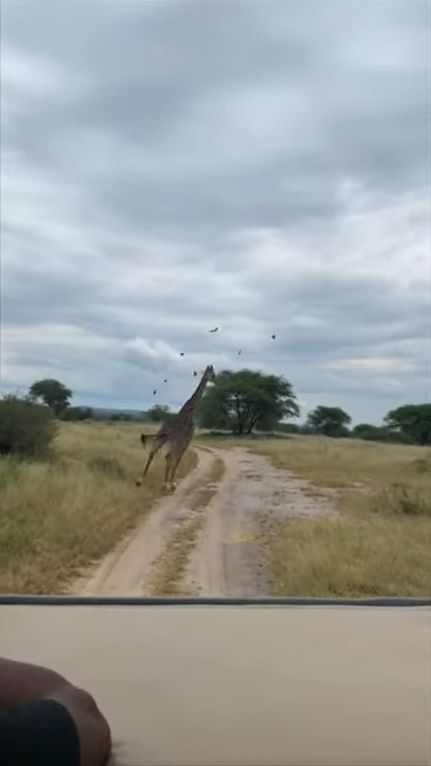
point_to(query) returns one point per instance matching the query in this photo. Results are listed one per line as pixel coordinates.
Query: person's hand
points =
(92, 726)
(21, 683)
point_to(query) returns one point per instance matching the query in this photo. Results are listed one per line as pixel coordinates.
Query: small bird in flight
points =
(195, 374)
(215, 329)
(273, 337)
(182, 353)
(155, 392)
(165, 380)
(239, 353)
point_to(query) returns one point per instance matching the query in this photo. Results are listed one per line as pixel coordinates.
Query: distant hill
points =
(107, 413)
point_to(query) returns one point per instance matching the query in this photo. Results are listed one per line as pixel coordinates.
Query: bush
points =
(121, 416)
(401, 499)
(372, 433)
(77, 413)
(288, 428)
(422, 465)
(26, 428)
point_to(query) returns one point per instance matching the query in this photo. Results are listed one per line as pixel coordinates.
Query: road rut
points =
(227, 558)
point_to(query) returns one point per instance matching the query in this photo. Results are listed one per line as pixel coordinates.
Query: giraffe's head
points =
(210, 373)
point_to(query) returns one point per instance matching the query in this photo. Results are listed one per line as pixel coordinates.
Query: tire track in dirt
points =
(169, 569)
(225, 554)
(229, 558)
(126, 570)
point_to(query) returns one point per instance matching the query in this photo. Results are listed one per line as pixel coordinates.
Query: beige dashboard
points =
(271, 685)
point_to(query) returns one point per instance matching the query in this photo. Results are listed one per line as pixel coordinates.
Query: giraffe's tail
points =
(143, 440)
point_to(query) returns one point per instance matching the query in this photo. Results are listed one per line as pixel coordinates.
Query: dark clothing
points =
(41, 733)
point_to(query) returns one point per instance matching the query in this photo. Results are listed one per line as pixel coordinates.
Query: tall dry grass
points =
(351, 557)
(58, 515)
(343, 462)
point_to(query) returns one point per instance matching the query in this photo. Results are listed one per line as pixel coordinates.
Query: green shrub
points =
(422, 465)
(77, 413)
(26, 428)
(372, 433)
(401, 499)
(288, 428)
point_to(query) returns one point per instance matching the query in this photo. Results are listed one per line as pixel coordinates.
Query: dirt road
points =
(227, 557)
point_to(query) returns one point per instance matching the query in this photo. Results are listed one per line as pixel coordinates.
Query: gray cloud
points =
(260, 166)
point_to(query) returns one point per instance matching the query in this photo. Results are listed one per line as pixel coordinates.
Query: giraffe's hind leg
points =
(147, 465)
(178, 459)
(174, 470)
(173, 459)
(169, 472)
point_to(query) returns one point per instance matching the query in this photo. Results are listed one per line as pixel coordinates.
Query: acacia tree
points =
(159, 413)
(412, 422)
(330, 421)
(52, 393)
(245, 400)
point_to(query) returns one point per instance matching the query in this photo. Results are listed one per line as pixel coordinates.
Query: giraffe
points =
(177, 434)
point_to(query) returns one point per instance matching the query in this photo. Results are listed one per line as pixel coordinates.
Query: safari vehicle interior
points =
(241, 682)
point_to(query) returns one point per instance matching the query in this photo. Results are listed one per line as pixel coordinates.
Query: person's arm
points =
(22, 683)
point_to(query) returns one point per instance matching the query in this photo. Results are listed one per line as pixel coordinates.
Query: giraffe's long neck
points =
(188, 409)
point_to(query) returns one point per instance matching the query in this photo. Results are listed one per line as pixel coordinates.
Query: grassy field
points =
(58, 515)
(381, 543)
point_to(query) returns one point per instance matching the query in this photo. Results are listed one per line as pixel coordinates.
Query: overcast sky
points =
(168, 167)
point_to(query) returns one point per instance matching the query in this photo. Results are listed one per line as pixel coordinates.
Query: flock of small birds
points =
(195, 373)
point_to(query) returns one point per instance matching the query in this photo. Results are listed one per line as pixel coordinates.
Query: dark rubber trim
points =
(53, 600)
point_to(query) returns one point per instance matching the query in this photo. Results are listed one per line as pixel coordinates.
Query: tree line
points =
(409, 424)
(247, 401)
(240, 402)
